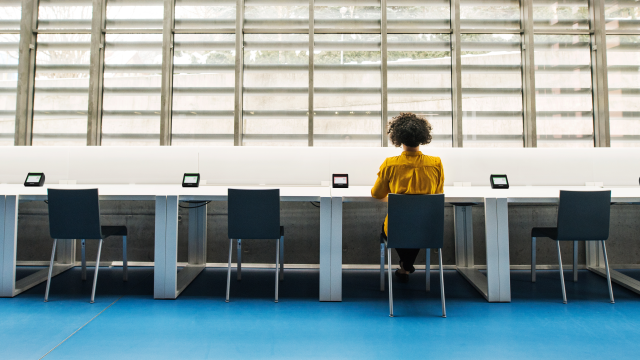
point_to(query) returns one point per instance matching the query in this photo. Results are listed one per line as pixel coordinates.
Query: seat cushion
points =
(113, 231)
(548, 232)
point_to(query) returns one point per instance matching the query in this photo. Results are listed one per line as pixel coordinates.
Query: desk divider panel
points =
(312, 165)
(138, 165)
(18, 161)
(253, 165)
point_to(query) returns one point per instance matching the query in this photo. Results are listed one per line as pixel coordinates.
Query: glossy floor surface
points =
(126, 323)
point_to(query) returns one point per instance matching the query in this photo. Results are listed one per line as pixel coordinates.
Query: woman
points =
(410, 173)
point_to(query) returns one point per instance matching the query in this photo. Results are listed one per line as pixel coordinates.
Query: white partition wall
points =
(127, 165)
(313, 166)
(17, 162)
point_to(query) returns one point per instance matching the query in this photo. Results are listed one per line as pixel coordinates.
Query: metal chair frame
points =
(414, 231)
(566, 218)
(125, 276)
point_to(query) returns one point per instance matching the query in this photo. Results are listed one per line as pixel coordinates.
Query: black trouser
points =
(407, 256)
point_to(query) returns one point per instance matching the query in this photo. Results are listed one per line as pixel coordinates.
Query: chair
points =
(415, 222)
(75, 214)
(255, 214)
(582, 216)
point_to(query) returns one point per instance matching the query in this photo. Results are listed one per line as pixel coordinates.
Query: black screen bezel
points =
(499, 186)
(39, 183)
(339, 186)
(197, 183)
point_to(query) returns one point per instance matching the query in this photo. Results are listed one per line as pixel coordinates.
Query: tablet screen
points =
(33, 178)
(340, 180)
(500, 180)
(190, 179)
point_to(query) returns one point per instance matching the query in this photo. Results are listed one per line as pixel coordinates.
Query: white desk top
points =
(515, 194)
(150, 191)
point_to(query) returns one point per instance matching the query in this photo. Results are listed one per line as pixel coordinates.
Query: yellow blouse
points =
(410, 173)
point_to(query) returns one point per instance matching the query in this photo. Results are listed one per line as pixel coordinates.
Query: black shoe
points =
(403, 278)
(410, 272)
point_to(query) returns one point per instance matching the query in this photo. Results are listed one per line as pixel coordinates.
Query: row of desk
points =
(169, 282)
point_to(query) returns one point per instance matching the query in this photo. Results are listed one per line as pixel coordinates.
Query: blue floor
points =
(126, 323)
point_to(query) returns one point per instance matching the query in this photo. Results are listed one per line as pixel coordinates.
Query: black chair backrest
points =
(416, 221)
(584, 215)
(254, 214)
(74, 214)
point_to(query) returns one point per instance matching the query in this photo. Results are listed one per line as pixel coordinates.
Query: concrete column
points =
(96, 69)
(26, 73)
(166, 91)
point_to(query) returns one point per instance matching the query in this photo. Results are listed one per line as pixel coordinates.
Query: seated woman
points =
(410, 173)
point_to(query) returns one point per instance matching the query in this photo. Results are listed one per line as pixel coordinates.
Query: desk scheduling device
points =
(340, 180)
(499, 182)
(191, 180)
(34, 179)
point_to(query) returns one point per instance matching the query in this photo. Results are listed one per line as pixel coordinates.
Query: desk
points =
(168, 282)
(495, 286)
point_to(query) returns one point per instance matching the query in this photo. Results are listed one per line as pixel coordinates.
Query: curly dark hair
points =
(409, 129)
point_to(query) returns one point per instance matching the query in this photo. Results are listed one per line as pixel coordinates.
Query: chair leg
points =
(575, 261)
(229, 269)
(444, 308)
(84, 261)
(125, 267)
(606, 263)
(564, 293)
(53, 254)
(390, 282)
(95, 273)
(382, 251)
(277, 267)
(427, 270)
(239, 257)
(533, 259)
(281, 258)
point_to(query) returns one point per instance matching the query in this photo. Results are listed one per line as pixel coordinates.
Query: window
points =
(281, 14)
(61, 89)
(10, 14)
(491, 90)
(347, 14)
(204, 14)
(65, 14)
(419, 80)
(8, 86)
(622, 15)
(563, 91)
(347, 93)
(203, 89)
(276, 89)
(623, 62)
(494, 14)
(560, 15)
(128, 14)
(416, 14)
(131, 100)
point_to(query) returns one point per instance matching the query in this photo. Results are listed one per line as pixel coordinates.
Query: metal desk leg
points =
(166, 248)
(8, 244)
(325, 249)
(465, 263)
(463, 233)
(336, 249)
(9, 287)
(497, 236)
(197, 248)
(495, 287)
